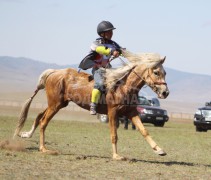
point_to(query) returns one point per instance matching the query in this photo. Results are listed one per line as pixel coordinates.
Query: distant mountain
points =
(21, 74)
(188, 86)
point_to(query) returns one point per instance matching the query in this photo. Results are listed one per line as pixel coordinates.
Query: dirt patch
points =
(12, 145)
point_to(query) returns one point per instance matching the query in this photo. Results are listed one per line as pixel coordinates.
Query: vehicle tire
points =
(103, 118)
(159, 124)
(199, 129)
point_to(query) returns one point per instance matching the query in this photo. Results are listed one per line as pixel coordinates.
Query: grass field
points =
(85, 152)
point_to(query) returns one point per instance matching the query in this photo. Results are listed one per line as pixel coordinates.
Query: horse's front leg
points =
(136, 120)
(113, 133)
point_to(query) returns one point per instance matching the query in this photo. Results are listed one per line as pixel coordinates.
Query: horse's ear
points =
(162, 60)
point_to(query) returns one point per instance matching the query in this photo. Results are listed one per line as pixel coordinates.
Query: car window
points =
(208, 104)
(206, 113)
(144, 101)
(155, 102)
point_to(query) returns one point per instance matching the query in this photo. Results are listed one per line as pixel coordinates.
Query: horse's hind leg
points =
(43, 124)
(29, 134)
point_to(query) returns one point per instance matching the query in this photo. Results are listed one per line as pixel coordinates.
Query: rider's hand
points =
(116, 53)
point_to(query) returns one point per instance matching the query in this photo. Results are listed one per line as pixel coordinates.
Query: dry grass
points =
(85, 152)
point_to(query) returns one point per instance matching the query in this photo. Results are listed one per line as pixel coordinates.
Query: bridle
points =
(155, 82)
(153, 86)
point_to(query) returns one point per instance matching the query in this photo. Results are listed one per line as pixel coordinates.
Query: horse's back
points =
(81, 78)
(67, 74)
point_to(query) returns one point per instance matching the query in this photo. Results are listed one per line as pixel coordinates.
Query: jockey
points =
(102, 49)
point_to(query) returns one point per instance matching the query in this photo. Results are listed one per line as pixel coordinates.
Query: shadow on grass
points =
(81, 156)
(32, 148)
(168, 163)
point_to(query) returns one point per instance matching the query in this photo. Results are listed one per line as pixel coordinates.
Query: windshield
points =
(206, 113)
(155, 102)
(143, 101)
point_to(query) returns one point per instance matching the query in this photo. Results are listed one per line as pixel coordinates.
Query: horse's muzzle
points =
(165, 93)
(162, 92)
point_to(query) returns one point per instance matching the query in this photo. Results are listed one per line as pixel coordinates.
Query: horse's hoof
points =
(161, 153)
(119, 158)
(51, 152)
(25, 135)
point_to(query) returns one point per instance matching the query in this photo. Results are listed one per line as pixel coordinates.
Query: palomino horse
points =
(122, 86)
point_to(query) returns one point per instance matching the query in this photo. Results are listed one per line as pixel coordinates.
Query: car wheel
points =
(159, 124)
(199, 129)
(103, 118)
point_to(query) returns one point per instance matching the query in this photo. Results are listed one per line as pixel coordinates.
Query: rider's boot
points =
(94, 101)
(93, 109)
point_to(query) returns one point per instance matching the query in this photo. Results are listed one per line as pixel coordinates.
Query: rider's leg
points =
(98, 87)
(94, 101)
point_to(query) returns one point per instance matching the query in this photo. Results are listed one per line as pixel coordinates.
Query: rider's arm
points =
(103, 50)
(100, 49)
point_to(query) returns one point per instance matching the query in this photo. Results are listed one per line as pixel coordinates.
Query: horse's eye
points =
(156, 73)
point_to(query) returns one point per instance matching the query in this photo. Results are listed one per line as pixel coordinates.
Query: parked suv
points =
(148, 112)
(202, 118)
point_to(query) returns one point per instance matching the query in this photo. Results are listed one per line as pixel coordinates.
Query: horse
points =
(122, 87)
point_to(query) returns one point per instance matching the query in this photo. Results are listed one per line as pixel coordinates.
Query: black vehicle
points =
(202, 118)
(148, 112)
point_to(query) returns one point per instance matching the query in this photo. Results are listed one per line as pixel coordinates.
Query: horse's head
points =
(154, 77)
(149, 67)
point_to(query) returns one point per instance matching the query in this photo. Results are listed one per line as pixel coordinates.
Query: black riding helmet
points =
(104, 26)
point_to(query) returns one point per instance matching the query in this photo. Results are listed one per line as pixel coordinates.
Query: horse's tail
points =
(26, 105)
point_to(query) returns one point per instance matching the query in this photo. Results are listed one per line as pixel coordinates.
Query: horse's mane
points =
(113, 76)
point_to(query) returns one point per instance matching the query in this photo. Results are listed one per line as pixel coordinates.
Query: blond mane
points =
(150, 60)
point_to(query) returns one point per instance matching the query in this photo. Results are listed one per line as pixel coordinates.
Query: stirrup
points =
(93, 109)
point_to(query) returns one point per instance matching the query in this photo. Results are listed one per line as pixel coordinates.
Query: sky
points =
(61, 31)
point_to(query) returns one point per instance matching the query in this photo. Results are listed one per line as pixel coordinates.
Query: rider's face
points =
(108, 35)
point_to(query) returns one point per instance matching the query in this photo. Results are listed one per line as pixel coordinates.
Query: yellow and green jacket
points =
(101, 51)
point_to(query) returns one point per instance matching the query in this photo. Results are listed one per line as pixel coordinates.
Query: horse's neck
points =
(133, 83)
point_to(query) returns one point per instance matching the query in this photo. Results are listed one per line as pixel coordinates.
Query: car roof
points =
(150, 107)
